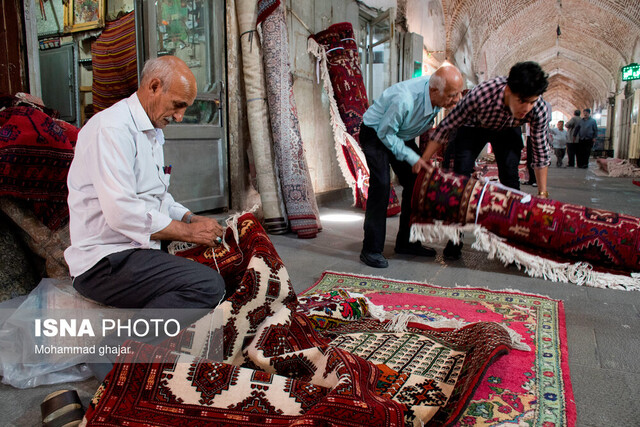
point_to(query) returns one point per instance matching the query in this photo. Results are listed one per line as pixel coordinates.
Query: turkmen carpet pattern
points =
(548, 229)
(295, 180)
(337, 52)
(522, 387)
(114, 63)
(276, 369)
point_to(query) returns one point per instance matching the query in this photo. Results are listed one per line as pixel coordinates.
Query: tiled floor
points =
(602, 324)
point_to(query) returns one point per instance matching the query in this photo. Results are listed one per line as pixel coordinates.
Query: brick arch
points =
(597, 38)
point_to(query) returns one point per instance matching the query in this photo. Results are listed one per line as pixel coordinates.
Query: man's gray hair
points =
(438, 82)
(161, 69)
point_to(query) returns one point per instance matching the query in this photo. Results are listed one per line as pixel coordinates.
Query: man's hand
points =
(202, 230)
(205, 231)
(419, 165)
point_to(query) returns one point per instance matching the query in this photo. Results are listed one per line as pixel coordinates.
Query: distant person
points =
(560, 136)
(586, 134)
(572, 144)
(494, 111)
(403, 111)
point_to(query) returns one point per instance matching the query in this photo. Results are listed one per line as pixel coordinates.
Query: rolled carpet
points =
(336, 51)
(258, 117)
(551, 239)
(297, 190)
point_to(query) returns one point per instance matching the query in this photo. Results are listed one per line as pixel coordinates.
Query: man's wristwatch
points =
(188, 218)
(543, 194)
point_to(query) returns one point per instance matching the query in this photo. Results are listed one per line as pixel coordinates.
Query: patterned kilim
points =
(36, 151)
(114, 63)
(521, 388)
(297, 190)
(337, 51)
(575, 239)
(276, 369)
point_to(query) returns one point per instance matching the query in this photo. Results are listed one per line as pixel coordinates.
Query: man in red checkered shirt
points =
(494, 112)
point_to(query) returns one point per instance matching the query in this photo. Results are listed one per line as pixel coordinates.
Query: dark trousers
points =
(530, 171)
(148, 278)
(379, 158)
(572, 149)
(559, 155)
(507, 146)
(584, 152)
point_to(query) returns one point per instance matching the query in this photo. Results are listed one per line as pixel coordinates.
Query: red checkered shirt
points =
(484, 107)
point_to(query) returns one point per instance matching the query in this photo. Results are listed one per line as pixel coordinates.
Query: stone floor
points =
(602, 324)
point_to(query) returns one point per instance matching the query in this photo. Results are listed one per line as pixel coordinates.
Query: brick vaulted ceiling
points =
(597, 38)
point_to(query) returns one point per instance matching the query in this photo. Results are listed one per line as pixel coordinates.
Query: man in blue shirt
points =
(586, 132)
(387, 136)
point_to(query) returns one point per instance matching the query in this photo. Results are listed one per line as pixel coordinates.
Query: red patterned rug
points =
(277, 370)
(555, 240)
(114, 62)
(337, 53)
(36, 151)
(530, 388)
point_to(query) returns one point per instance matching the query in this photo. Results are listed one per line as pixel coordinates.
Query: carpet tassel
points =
(580, 273)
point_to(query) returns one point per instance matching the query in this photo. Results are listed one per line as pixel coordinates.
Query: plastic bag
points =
(16, 332)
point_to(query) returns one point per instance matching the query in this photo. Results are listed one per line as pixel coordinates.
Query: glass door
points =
(196, 148)
(377, 50)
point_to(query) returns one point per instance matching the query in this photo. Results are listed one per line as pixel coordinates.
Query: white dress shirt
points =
(118, 191)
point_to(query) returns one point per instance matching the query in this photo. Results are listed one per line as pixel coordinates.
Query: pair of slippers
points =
(62, 408)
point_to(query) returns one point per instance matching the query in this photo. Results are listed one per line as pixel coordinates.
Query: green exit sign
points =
(631, 72)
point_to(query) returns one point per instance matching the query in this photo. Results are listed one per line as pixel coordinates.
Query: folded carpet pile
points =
(36, 150)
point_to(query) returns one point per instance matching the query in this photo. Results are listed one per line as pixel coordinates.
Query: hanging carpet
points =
(275, 369)
(297, 190)
(336, 51)
(114, 63)
(258, 118)
(550, 239)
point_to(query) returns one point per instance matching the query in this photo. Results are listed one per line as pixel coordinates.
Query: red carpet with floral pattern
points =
(530, 388)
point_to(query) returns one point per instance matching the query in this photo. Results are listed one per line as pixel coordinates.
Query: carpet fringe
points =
(517, 342)
(580, 273)
(341, 136)
(438, 232)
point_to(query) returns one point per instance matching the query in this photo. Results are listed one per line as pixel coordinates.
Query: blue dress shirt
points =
(402, 112)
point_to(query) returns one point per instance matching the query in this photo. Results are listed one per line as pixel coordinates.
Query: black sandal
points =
(62, 408)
